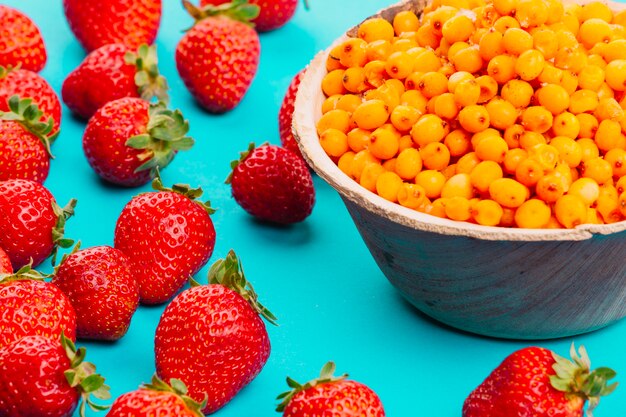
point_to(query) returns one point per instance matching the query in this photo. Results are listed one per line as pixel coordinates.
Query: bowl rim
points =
(307, 111)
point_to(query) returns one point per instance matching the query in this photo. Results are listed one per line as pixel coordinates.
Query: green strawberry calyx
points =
(4, 71)
(176, 386)
(27, 113)
(239, 10)
(575, 378)
(58, 238)
(83, 377)
(242, 157)
(183, 189)
(150, 83)
(24, 273)
(229, 273)
(326, 376)
(165, 135)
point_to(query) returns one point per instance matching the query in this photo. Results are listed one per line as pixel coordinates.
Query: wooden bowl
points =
(501, 282)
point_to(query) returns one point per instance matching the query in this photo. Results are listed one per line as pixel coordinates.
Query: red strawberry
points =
(5, 263)
(96, 24)
(128, 139)
(110, 72)
(89, 278)
(24, 142)
(31, 306)
(285, 115)
(31, 221)
(218, 57)
(28, 84)
(41, 377)
(21, 43)
(157, 399)
(168, 237)
(228, 344)
(330, 396)
(273, 184)
(535, 382)
(273, 14)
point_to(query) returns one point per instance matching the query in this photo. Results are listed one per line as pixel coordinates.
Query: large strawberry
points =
(42, 377)
(535, 382)
(273, 184)
(31, 221)
(31, 306)
(218, 57)
(5, 263)
(96, 24)
(128, 139)
(273, 13)
(285, 115)
(21, 43)
(110, 72)
(226, 347)
(24, 142)
(330, 396)
(168, 236)
(102, 290)
(157, 399)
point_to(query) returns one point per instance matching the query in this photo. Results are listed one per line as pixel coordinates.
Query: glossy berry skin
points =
(225, 350)
(28, 84)
(217, 60)
(285, 115)
(20, 41)
(32, 380)
(22, 154)
(102, 77)
(5, 263)
(102, 290)
(168, 238)
(520, 386)
(131, 22)
(273, 14)
(148, 403)
(344, 398)
(32, 308)
(274, 184)
(26, 220)
(104, 141)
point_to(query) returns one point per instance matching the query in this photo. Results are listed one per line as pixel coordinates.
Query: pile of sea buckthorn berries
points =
(501, 113)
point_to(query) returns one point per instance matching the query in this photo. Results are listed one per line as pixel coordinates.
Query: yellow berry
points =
(570, 211)
(387, 186)
(408, 164)
(532, 214)
(508, 192)
(375, 29)
(371, 114)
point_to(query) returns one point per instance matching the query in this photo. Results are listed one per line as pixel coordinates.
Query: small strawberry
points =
(273, 184)
(96, 24)
(535, 382)
(31, 221)
(273, 13)
(218, 57)
(24, 142)
(285, 115)
(167, 236)
(31, 306)
(227, 346)
(5, 263)
(21, 43)
(157, 399)
(330, 396)
(42, 377)
(128, 139)
(110, 72)
(102, 290)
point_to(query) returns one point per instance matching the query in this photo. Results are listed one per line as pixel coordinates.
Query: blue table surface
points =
(318, 277)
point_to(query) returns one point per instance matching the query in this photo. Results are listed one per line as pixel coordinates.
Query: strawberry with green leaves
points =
(44, 377)
(157, 399)
(33, 238)
(111, 72)
(128, 139)
(536, 382)
(272, 15)
(92, 275)
(228, 344)
(330, 396)
(21, 43)
(168, 235)
(218, 57)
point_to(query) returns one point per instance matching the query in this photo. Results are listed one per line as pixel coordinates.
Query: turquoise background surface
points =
(317, 277)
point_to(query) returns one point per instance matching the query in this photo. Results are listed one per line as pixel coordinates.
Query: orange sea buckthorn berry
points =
(358, 139)
(477, 137)
(621, 203)
(370, 175)
(458, 185)
(529, 172)
(414, 99)
(537, 119)
(566, 38)
(436, 208)
(378, 50)
(620, 187)
(484, 174)
(531, 13)
(426, 36)
(332, 83)
(508, 193)
(435, 155)
(390, 164)
(529, 139)
(334, 142)
(387, 186)
(457, 142)
(516, 41)
(596, 10)
(550, 74)
(583, 101)
(474, 118)
(412, 80)
(467, 92)
(360, 161)
(375, 29)
(468, 59)
(408, 164)
(405, 21)
(399, 65)
(487, 213)
(486, 15)
(569, 150)
(492, 148)
(550, 188)
(609, 109)
(403, 117)
(457, 29)
(466, 163)
(593, 31)
(597, 61)
(501, 68)
(570, 211)
(503, 23)
(405, 142)
(502, 114)
(570, 21)
(371, 114)
(553, 97)
(616, 49)
(518, 93)
(354, 80)
(454, 48)
(478, 35)
(426, 61)
(445, 106)
(615, 73)
(505, 7)
(588, 148)
(432, 84)
(411, 196)
(553, 223)
(332, 61)
(432, 181)
(586, 189)
(617, 159)
(438, 17)
(513, 134)
(456, 78)
(513, 158)
(605, 91)
(353, 53)
(330, 103)
(532, 214)
(566, 124)
(488, 88)
(345, 163)
(588, 125)
(349, 102)
(609, 136)
(383, 144)
(375, 73)
(547, 155)
(491, 45)
(403, 45)
(335, 119)
(569, 81)
(573, 59)
(545, 42)
(598, 170)
(429, 128)
(458, 208)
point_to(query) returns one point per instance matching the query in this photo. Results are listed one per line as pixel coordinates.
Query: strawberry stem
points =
(59, 229)
(150, 83)
(176, 386)
(182, 189)
(239, 10)
(27, 113)
(24, 273)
